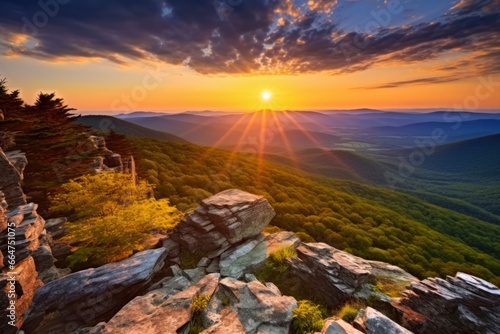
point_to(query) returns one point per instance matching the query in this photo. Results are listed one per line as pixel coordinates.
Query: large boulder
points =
(340, 276)
(371, 321)
(152, 313)
(221, 221)
(337, 275)
(87, 297)
(10, 182)
(239, 307)
(455, 305)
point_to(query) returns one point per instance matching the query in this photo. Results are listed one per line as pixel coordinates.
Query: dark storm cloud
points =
(243, 36)
(174, 31)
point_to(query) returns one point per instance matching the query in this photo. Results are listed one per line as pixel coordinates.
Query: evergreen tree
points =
(57, 148)
(119, 143)
(11, 106)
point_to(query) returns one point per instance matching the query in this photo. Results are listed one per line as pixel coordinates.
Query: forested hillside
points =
(374, 223)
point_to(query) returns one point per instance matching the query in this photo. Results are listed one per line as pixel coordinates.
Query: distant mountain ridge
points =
(106, 123)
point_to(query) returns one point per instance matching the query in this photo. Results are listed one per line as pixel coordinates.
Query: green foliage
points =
(279, 257)
(370, 222)
(110, 216)
(307, 318)
(275, 265)
(349, 311)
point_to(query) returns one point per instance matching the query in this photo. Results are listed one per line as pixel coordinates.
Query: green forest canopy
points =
(370, 222)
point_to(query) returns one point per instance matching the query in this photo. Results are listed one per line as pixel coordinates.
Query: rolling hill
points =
(106, 123)
(338, 164)
(452, 130)
(463, 176)
(479, 157)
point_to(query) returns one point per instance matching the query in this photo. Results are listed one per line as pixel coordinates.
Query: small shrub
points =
(200, 303)
(275, 266)
(349, 311)
(307, 318)
(280, 256)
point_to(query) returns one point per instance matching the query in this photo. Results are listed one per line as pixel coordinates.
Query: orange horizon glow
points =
(94, 88)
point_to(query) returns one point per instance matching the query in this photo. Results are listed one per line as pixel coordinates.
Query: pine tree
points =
(119, 143)
(57, 148)
(11, 106)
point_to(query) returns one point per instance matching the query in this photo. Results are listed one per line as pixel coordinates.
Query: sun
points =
(266, 95)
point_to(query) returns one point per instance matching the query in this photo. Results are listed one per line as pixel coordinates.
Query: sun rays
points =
(270, 130)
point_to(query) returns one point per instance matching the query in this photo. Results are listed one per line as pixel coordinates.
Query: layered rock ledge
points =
(222, 221)
(456, 305)
(86, 297)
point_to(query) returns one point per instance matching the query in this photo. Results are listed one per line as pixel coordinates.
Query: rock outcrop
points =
(239, 307)
(232, 307)
(371, 321)
(460, 304)
(222, 221)
(28, 226)
(10, 182)
(32, 257)
(220, 294)
(340, 276)
(25, 258)
(153, 313)
(108, 160)
(23, 280)
(87, 297)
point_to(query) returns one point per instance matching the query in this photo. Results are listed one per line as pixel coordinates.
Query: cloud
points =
(244, 36)
(421, 81)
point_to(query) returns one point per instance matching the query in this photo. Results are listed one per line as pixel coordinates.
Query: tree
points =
(10, 108)
(119, 143)
(58, 149)
(110, 217)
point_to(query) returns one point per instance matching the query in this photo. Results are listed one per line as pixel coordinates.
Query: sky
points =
(180, 55)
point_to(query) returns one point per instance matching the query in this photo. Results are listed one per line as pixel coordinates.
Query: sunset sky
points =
(177, 55)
